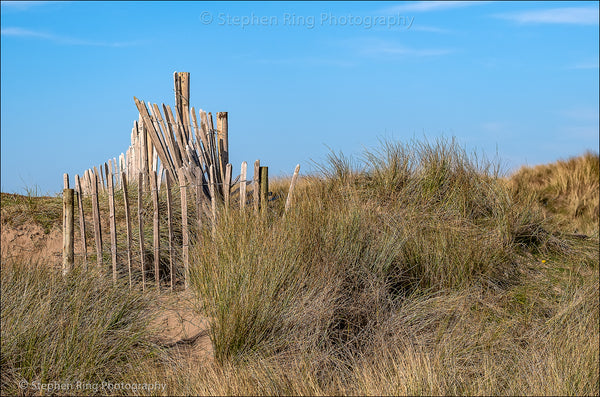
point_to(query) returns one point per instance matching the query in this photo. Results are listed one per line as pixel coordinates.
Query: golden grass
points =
(423, 273)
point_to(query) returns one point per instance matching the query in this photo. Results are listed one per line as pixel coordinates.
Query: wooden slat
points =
(141, 229)
(128, 168)
(184, 81)
(256, 185)
(81, 220)
(68, 230)
(213, 200)
(156, 229)
(194, 161)
(122, 165)
(102, 183)
(264, 188)
(161, 177)
(227, 186)
(170, 224)
(65, 181)
(208, 137)
(128, 225)
(244, 170)
(223, 140)
(156, 138)
(155, 160)
(199, 196)
(106, 174)
(96, 217)
(150, 149)
(144, 155)
(288, 201)
(169, 138)
(116, 173)
(215, 150)
(178, 132)
(200, 133)
(182, 101)
(113, 225)
(173, 137)
(184, 226)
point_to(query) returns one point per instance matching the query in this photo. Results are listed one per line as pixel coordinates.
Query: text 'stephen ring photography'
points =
(287, 198)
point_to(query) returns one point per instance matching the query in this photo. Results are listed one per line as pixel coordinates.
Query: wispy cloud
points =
(24, 5)
(563, 15)
(427, 6)
(582, 114)
(585, 65)
(400, 50)
(369, 47)
(60, 39)
(430, 29)
(303, 61)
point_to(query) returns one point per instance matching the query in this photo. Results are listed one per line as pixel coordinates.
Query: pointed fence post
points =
(184, 226)
(68, 229)
(288, 201)
(243, 185)
(141, 229)
(81, 220)
(255, 181)
(128, 224)
(156, 229)
(264, 188)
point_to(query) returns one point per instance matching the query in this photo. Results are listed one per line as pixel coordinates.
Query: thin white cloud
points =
(24, 5)
(585, 65)
(427, 6)
(370, 47)
(430, 29)
(563, 15)
(582, 114)
(303, 61)
(59, 39)
(400, 50)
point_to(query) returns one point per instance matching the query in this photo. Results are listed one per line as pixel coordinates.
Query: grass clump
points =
(567, 189)
(421, 254)
(79, 328)
(41, 210)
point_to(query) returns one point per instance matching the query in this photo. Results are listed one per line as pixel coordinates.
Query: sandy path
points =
(180, 326)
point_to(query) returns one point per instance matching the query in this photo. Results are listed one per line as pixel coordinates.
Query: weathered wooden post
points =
(243, 185)
(255, 181)
(68, 229)
(156, 229)
(213, 200)
(227, 186)
(223, 141)
(112, 222)
(170, 224)
(288, 201)
(184, 226)
(141, 229)
(264, 188)
(81, 220)
(182, 101)
(128, 223)
(96, 217)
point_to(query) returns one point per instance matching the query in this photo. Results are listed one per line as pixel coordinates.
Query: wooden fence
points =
(170, 153)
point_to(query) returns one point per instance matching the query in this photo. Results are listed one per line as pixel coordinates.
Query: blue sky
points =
(296, 78)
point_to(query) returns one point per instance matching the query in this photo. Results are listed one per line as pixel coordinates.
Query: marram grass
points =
(416, 270)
